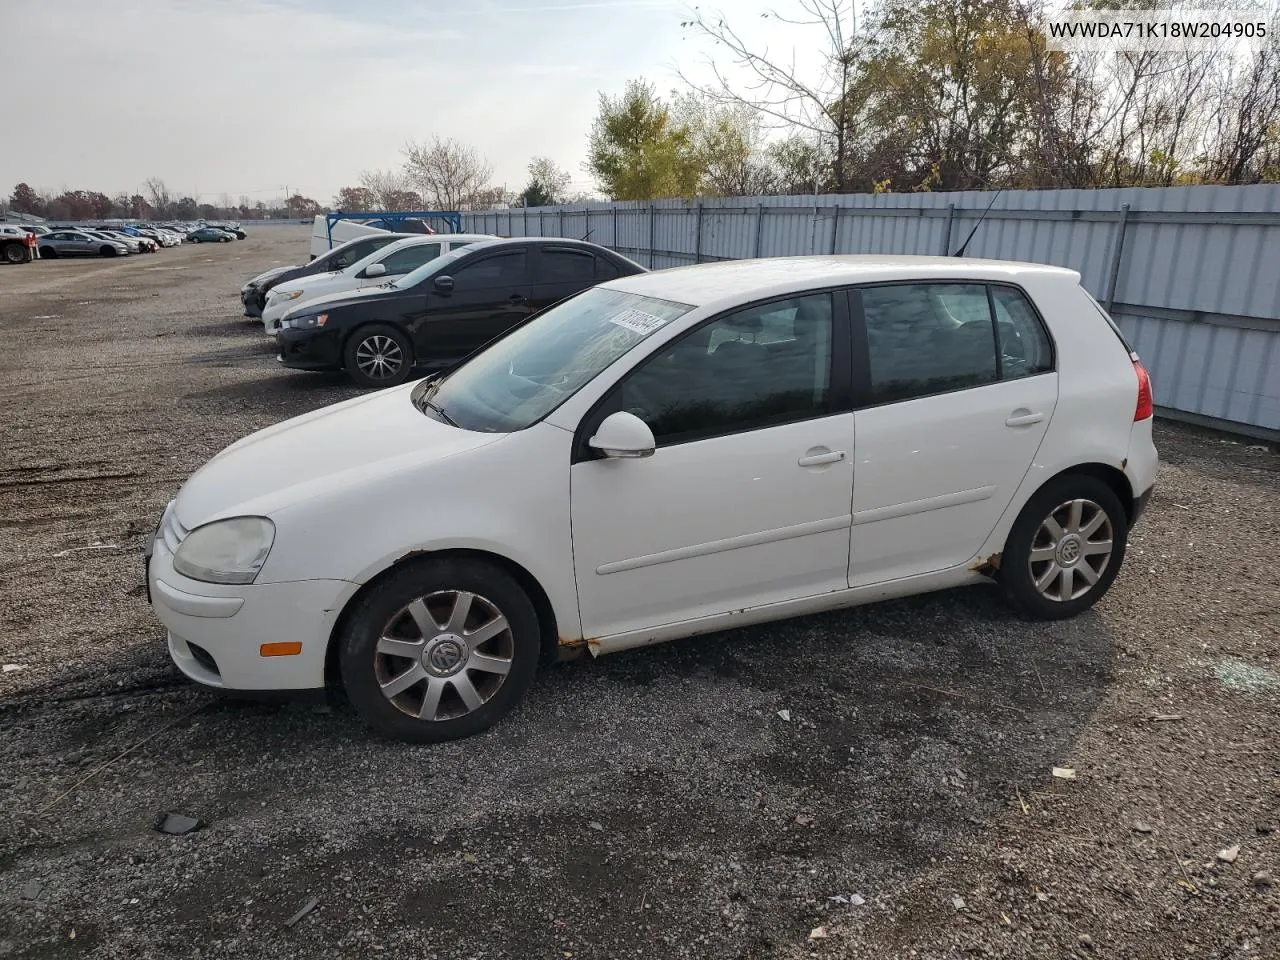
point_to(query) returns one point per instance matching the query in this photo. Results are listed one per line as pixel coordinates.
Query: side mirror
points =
(623, 434)
(444, 284)
(375, 270)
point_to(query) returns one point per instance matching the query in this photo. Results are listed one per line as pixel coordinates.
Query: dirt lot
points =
(652, 804)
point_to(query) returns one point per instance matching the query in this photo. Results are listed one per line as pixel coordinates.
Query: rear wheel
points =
(378, 356)
(1065, 549)
(15, 253)
(440, 649)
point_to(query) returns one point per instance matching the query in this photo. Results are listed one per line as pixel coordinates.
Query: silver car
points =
(131, 243)
(79, 243)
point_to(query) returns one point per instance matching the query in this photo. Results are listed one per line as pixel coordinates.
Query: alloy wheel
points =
(444, 655)
(379, 357)
(1071, 550)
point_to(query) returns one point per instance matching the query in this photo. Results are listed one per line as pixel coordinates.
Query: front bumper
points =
(311, 349)
(216, 630)
(252, 301)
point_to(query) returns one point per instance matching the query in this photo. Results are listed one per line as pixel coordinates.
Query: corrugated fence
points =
(1192, 274)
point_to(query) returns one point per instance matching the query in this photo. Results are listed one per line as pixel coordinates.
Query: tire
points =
(369, 352)
(383, 644)
(108, 251)
(15, 253)
(1050, 575)
(48, 253)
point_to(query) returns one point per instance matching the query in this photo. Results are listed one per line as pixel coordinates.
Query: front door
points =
(489, 296)
(949, 422)
(746, 500)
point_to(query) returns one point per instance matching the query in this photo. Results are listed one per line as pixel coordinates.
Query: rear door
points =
(955, 385)
(491, 294)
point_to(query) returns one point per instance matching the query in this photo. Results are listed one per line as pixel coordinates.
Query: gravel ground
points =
(651, 804)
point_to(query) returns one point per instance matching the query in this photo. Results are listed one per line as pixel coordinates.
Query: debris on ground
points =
(818, 933)
(785, 715)
(803, 820)
(12, 667)
(306, 908)
(958, 902)
(1085, 941)
(1229, 854)
(177, 824)
(1141, 826)
(1064, 773)
(596, 825)
(92, 546)
(1262, 880)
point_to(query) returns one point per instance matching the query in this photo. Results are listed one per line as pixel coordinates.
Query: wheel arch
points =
(1112, 476)
(547, 629)
(363, 324)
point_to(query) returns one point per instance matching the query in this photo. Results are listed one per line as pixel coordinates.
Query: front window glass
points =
(521, 378)
(760, 367)
(410, 258)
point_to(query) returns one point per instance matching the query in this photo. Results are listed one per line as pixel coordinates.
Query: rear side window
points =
(566, 266)
(605, 269)
(1025, 349)
(927, 338)
(932, 338)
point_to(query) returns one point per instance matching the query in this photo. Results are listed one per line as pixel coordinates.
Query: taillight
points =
(1145, 409)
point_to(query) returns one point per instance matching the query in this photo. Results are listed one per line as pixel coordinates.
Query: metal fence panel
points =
(1192, 274)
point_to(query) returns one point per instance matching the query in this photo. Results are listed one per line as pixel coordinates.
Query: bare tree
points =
(445, 172)
(158, 195)
(1246, 135)
(387, 189)
(819, 101)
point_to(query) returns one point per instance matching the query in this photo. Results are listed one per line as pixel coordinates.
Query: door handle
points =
(818, 459)
(1023, 418)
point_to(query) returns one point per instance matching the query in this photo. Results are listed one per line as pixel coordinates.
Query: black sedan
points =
(444, 310)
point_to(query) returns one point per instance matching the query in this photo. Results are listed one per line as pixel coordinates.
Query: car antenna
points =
(964, 246)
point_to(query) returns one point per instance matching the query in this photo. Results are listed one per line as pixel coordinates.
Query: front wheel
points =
(15, 253)
(378, 356)
(440, 649)
(108, 251)
(48, 253)
(1065, 548)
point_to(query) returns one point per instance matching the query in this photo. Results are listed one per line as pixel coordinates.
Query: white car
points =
(668, 454)
(383, 265)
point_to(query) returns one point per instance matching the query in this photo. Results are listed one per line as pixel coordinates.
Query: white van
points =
(324, 238)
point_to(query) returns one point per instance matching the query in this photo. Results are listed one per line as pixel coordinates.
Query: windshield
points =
(521, 378)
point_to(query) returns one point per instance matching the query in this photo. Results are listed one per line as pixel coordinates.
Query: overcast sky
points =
(244, 97)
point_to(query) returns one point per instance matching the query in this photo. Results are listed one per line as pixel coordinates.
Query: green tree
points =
(729, 145)
(548, 184)
(637, 152)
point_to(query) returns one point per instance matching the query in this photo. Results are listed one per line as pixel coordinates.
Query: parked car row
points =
(418, 302)
(656, 455)
(107, 239)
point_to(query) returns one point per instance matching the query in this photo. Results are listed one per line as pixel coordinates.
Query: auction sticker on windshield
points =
(639, 321)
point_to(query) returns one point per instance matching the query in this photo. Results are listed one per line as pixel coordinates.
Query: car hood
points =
(340, 298)
(284, 466)
(267, 275)
(303, 283)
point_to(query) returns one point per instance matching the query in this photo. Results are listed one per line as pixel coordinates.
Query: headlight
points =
(309, 322)
(226, 551)
(291, 295)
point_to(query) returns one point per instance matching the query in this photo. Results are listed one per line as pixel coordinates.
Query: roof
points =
(739, 281)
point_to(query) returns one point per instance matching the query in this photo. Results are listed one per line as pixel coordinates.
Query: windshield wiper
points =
(432, 405)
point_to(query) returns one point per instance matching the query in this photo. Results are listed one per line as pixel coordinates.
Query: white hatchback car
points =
(664, 455)
(392, 261)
